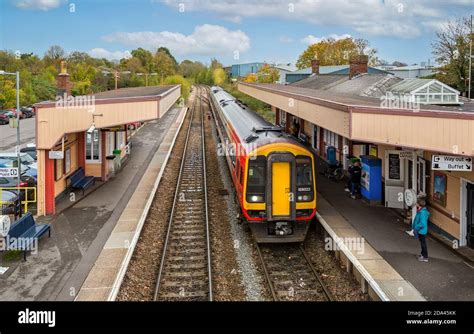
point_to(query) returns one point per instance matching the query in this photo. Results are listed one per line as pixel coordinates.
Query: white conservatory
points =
(425, 91)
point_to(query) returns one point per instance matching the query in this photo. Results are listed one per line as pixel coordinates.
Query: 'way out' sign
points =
(451, 163)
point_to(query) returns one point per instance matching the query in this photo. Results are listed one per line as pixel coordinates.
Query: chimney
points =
(315, 66)
(62, 81)
(358, 65)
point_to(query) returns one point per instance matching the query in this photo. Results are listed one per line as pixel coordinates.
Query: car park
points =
(9, 204)
(25, 158)
(25, 169)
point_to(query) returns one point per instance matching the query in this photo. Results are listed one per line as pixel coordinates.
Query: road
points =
(8, 135)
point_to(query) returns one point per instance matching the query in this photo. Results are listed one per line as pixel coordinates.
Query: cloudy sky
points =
(233, 31)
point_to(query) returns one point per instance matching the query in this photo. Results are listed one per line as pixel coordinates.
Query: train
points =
(273, 172)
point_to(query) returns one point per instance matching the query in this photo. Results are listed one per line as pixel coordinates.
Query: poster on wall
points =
(439, 188)
(394, 172)
(67, 161)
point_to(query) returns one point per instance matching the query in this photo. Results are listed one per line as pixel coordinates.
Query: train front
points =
(279, 199)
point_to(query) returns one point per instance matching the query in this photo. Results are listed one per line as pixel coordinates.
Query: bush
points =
(178, 79)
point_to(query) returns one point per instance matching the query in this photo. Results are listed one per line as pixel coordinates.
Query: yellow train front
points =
(273, 174)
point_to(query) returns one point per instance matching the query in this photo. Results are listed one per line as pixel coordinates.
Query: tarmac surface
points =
(80, 231)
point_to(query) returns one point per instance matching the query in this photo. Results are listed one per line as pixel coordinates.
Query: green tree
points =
(178, 79)
(165, 65)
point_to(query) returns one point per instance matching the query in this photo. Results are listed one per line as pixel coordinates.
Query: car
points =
(27, 112)
(7, 113)
(25, 158)
(4, 119)
(30, 149)
(10, 202)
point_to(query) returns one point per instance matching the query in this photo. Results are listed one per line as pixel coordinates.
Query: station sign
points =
(55, 155)
(451, 163)
(9, 172)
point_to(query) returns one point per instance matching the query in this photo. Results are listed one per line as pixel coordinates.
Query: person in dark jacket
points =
(353, 185)
(420, 226)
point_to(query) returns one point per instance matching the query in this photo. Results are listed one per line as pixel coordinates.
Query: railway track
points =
(290, 274)
(185, 268)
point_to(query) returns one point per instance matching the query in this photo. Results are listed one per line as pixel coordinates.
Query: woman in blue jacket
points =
(420, 226)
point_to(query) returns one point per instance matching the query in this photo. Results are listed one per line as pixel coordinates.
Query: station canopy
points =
(426, 91)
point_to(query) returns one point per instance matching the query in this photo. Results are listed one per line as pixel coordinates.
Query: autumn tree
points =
(451, 50)
(336, 52)
(218, 76)
(267, 74)
(165, 65)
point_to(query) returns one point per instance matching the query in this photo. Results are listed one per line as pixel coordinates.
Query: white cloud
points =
(205, 40)
(310, 39)
(372, 17)
(110, 55)
(43, 5)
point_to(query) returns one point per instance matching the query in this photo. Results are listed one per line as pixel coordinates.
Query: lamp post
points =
(17, 75)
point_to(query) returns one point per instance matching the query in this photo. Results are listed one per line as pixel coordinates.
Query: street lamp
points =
(17, 75)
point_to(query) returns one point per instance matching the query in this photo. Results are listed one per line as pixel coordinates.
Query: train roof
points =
(249, 126)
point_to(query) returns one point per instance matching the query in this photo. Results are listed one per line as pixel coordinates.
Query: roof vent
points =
(267, 128)
(251, 138)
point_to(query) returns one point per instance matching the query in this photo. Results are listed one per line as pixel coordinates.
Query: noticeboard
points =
(394, 167)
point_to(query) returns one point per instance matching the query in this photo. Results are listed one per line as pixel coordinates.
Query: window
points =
(93, 146)
(58, 169)
(110, 143)
(256, 180)
(304, 179)
(67, 161)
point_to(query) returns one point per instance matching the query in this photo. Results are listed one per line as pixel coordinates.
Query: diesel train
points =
(273, 173)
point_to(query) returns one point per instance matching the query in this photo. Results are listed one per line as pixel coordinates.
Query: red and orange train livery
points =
(273, 173)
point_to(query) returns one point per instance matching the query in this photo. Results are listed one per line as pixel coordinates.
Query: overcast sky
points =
(234, 31)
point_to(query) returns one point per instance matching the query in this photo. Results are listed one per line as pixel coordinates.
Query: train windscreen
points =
(304, 179)
(256, 180)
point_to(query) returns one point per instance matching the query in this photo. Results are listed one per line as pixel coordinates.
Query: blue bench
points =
(79, 180)
(23, 233)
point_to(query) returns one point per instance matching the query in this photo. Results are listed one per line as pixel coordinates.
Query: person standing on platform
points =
(420, 227)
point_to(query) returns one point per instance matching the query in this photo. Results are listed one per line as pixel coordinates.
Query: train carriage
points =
(273, 173)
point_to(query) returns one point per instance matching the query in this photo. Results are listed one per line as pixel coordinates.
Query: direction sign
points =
(9, 172)
(451, 163)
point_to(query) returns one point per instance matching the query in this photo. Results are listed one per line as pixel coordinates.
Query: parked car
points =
(9, 202)
(27, 112)
(4, 119)
(25, 158)
(30, 149)
(25, 181)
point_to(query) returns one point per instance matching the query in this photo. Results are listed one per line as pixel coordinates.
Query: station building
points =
(358, 115)
(89, 132)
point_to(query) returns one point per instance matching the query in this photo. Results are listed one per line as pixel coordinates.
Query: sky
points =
(233, 31)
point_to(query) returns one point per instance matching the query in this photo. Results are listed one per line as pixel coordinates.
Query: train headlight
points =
(256, 198)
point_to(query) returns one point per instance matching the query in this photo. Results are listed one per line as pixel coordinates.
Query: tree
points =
(164, 64)
(54, 55)
(178, 79)
(190, 69)
(167, 51)
(215, 64)
(336, 52)
(451, 50)
(218, 76)
(251, 77)
(267, 74)
(146, 59)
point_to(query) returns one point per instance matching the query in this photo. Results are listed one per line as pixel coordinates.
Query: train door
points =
(281, 173)
(281, 187)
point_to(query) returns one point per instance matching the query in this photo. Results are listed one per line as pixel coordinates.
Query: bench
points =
(80, 181)
(23, 233)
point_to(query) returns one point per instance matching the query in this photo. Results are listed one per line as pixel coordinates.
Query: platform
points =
(104, 280)
(446, 277)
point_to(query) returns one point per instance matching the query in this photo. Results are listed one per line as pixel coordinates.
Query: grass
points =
(12, 255)
(258, 106)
